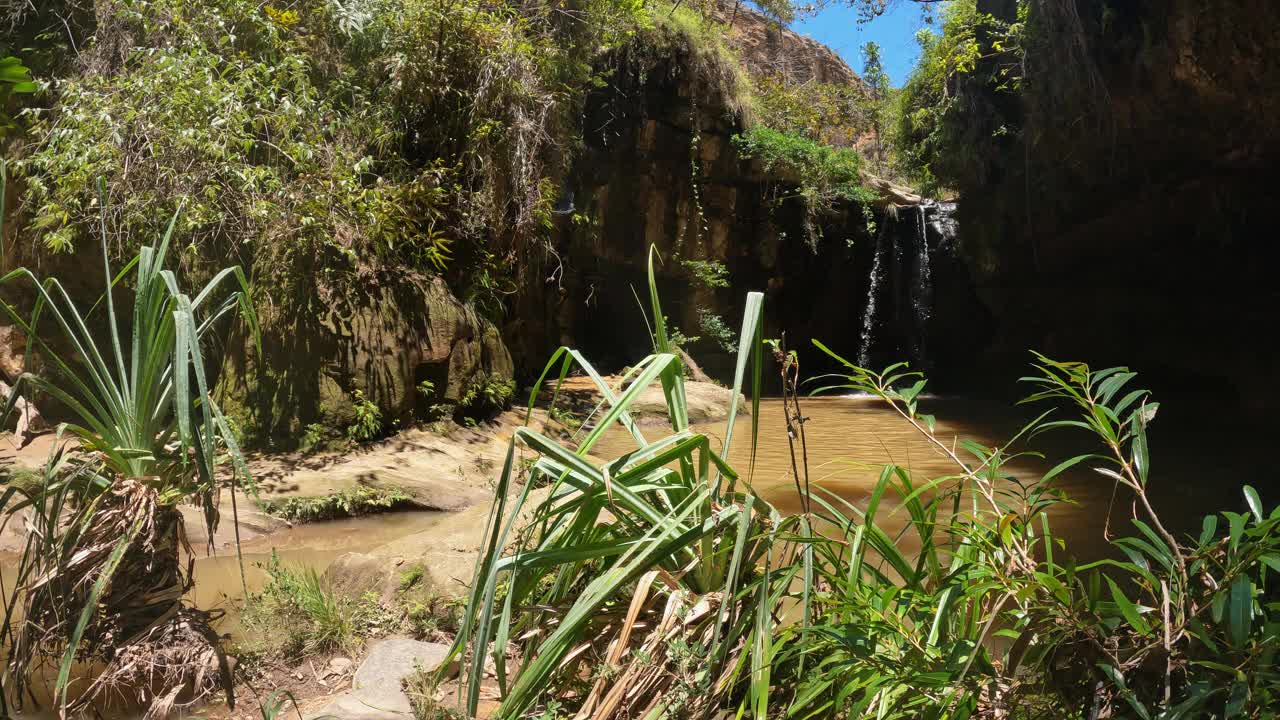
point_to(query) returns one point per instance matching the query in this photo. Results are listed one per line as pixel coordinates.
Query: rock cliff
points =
(1133, 229)
(659, 168)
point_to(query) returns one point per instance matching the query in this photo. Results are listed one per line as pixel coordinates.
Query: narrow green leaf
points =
(1128, 609)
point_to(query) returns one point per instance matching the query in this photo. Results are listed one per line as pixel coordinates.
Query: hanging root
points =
(175, 665)
(139, 630)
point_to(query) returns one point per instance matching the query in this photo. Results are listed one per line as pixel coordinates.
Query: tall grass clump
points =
(100, 580)
(298, 613)
(644, 582)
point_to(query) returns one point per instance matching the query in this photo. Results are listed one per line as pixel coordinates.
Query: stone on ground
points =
(376, 693)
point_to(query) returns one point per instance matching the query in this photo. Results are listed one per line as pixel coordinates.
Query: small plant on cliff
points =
(707, 273)
(714, 328)
(486, 394)
(368, 419)
(313, 436)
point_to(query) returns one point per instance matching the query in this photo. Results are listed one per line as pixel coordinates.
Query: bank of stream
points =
(849, 439)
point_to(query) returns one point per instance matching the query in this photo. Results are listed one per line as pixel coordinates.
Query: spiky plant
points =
(646, 580)
(101, 570)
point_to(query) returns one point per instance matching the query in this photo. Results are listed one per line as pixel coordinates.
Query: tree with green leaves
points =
(878, 86)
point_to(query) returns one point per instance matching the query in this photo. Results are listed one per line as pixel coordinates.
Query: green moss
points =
(359, 500)
(411, 577)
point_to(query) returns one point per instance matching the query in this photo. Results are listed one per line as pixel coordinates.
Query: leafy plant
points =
(313, 436)
(656, 546)
(352, 502)
(149, 434)
(368, 419)
(14, 78)
(941, 140)
(486, 393)
(914, 632)
(714, 328)
(822, 175)
(300, 613)
(708, 273)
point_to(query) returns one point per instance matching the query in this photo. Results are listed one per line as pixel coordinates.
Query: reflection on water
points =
(849, 440)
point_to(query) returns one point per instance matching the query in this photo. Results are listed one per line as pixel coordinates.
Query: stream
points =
(848, 441)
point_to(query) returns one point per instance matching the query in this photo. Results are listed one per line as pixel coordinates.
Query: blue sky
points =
(895, 31)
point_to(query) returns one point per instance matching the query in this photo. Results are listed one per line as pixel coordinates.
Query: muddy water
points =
(314, 545)
(218, 583)
(850, 439)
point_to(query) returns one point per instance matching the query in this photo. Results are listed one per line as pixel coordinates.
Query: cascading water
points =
(902, 274)
(869, 310)
(922, 289)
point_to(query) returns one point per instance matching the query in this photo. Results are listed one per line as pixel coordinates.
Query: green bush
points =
(823, 176)
(368, 421)
(486, 394)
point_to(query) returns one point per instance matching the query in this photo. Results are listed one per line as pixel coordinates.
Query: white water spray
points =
(922, 291)
(869, 312)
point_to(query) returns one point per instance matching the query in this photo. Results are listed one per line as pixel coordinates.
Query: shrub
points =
(486, 394)
(313, 435)
(836, 115)
(823, 176)
(708, 273)
(714, 328)
(368, 421)
(1178, 630)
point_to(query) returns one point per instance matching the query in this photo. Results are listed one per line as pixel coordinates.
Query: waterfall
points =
(922, 290)
(899, 304)
(869, 310)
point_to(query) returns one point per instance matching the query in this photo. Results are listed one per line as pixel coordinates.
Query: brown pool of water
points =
(850, 439)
